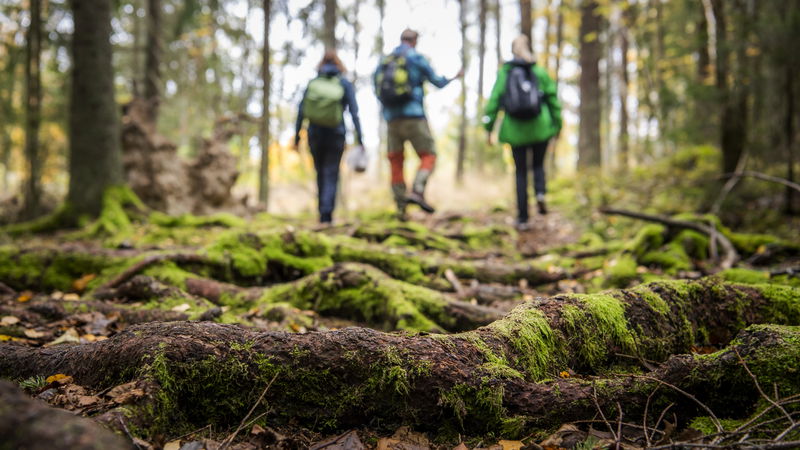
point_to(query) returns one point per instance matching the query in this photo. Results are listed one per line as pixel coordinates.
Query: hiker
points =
(532, 116)
(398, 84)
(323, 105)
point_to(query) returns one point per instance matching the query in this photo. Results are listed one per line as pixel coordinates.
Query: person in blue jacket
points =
(407, 122)
(327, 142)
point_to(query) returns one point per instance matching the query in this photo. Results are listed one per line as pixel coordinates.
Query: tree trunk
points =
(479, 380)
(481, 51)
(589, 152)
(136, 88)
(462, 129)
(152, 75)
(789, 137)
(624, 83)
(498, 29)
(33, 107)
(329, 27)
(95, 156)
(526, 19)
(264, 136)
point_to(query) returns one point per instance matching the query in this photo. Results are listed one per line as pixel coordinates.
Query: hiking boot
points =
(417, 199)
(541, 205)
(522, 226)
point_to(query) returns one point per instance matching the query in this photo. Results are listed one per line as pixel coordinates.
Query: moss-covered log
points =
(30, 424)
(358, 292)
(491, 379)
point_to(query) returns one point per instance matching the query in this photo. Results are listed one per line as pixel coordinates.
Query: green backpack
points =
(323, 103)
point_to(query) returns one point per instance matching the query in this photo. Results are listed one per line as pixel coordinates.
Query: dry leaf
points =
(174, 445)
(24, 296)
(71, 297)
(9, 320)
(461, 446)
(87, 400)
(5, 337)
(89, 337)
(183, 307)
(69, 337)
(563, 374)
(511, 445)
(33, 334)
(80, 284)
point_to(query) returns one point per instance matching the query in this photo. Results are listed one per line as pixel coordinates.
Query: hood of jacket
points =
(329, 70)
(520, 62)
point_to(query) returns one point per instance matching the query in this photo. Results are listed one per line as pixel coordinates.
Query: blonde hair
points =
(332, 58)
(521, 48)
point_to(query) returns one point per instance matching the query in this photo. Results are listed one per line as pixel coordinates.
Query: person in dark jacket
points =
(528, 137)
(327, 142)
(407, 122)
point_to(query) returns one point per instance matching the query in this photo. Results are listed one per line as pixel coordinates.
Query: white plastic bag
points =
(357, 159)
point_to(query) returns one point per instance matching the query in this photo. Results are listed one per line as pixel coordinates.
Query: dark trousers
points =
(527, 158)
(327, 147)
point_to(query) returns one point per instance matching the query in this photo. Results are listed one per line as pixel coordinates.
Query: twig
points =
(627, 424)
(619, 427)
(603, 416)
(729, 185)
(783, 434)
(644, 418)
(661, 417)
(760, 391)
(764, 177)
(230, 438)
(764, 446)
(731, 255)
(711, 414)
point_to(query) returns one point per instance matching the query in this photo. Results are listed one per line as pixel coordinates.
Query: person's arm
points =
(548, 87)
(299, 125)
(352, 106)
(493, 104)
(428, 73)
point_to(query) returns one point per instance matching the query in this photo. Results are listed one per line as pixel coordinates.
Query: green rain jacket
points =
(518, 132)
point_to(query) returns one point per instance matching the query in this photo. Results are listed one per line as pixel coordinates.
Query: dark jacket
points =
(419, 71)
(348, 100)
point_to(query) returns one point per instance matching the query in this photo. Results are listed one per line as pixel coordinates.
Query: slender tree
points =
(462, 129)
(589, 152)
(481, 49)
(95, 161)
(329, 27)
(264, 137)
(498, 29)
(33, 101)
(526, 19)
(624, 83)
(152, 79)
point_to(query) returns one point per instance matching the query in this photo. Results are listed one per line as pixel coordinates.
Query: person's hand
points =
(459, 74)
(294, 145)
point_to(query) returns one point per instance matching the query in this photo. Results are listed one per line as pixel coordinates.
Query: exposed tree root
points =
(30, 424)
(486, 380)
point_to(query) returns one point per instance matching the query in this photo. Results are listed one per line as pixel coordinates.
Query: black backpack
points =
(522, 98)
(393, 84)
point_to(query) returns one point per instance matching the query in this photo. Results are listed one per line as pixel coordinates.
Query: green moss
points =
(695, 244)
(745, 276)
(115, 219)
(621, 271)
(536, 344)
(783, 305)
(650, 237)
(595, 327)
(44, 269)
(652, 299)
(397, 264)
(672, 258)
(496, 366)
(225, 220)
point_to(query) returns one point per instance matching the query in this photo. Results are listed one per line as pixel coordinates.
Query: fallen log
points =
(490, 379)
(31, 424)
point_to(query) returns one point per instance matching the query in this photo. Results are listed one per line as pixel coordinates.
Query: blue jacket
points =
(348, 100)
(419, 71)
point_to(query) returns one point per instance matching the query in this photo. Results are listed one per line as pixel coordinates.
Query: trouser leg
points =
(427, 162)
(539, 180)
(520, 155)
(327, 154)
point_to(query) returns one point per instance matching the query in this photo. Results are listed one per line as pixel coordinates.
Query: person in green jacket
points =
(528, 137)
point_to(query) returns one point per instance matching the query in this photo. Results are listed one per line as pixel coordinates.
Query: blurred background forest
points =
(655, 91)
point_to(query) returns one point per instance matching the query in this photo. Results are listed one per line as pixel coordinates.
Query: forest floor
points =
(446, 331)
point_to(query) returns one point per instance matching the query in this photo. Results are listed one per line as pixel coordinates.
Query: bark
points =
(30, 424)
(264, 137)
(95, 161)
(329, 26)
(789, 137)
(481, 50)
(351, 376)
(153, 52)
(462, 128)
(526, 19)
(624, 137)
(589, 152)
(33, 108)
(498, 29)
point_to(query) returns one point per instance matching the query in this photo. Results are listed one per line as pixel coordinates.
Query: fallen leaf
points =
(461, 446)
(89, 337)
(69, 337)
(511, 445)
(183, 307)
(57, 295)
(80, 284)
(346, 441)
(33, 334)
(129, 396)
(24, 296)
(71, 297)
(256, 430)
(87, 400)
(174, 445)
(56, 377)
(564, 374)
(4, 337)
(9, 320)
